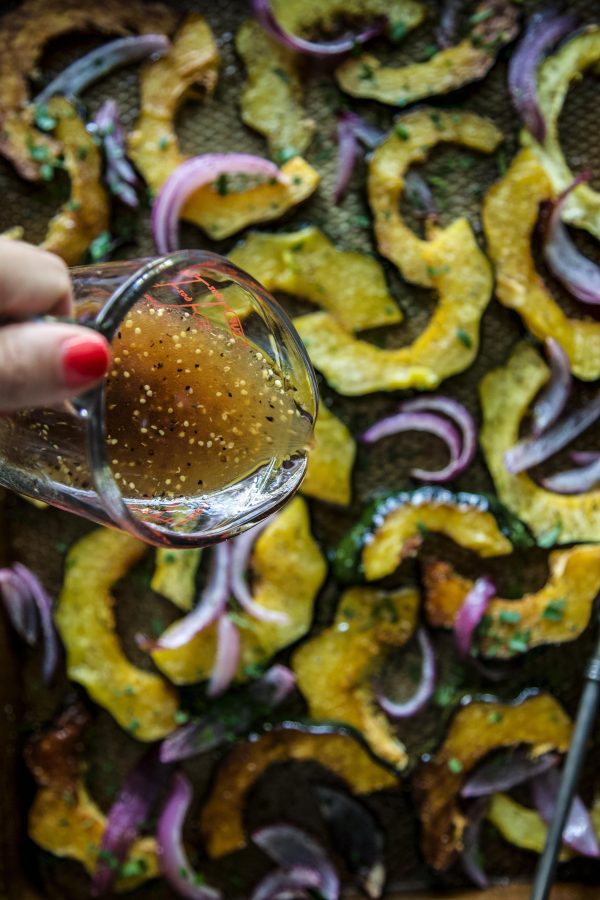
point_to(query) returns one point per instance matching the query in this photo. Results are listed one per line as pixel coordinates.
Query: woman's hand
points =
(42, 363)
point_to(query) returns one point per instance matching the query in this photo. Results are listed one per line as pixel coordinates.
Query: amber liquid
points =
(192, 408)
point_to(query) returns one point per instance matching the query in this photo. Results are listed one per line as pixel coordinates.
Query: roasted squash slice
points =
(25, 31)
(175, 575)
(415, 135)
(347, 284)
(271, 100)
(63, 819)
(288, 570)
(557, 613)
(520, 826)
(221, 820)
(582, 51)
(475, 731)
(86, 214)
(333, 669)
(329, 471)
(470, 60)
(448, 345)
(506, 394)
(141, 702)
(510, 213)
(153, 145)
(394, 527)
(304, 16)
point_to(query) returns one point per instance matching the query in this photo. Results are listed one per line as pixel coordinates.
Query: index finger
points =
(33, 282)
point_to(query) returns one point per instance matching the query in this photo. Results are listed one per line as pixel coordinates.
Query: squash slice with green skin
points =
(394, 527)
(221, 820)
(333, 668)
(349, 285)
(415, 135)
(520, 826)
(557, 613)
(140, 702)
(174, 575)
(448, 345)
(510, 214)
(475, 731)
(329, 471)
(288, 570)
(506, 394)
(301, 17)
(449, 69)
(271, 99)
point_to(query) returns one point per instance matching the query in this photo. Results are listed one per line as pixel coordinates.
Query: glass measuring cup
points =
(203, 424)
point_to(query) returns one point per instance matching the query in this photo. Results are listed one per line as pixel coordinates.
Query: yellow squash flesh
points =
(221, 820)
(305, 263)
(333, 669)
(141, 702)
(475, 731)
(288, 569)
(421, 131)
(329, 471)
(506, 395)
(557, 613)
(174, 575)
(448, 345)
(271, 100)
(519, 825)
(510, 213)
(568, 64)
(302, 16)
(86, 214)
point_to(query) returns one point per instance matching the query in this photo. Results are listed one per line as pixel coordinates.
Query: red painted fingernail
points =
(84, 360)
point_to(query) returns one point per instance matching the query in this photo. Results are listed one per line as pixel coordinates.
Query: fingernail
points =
(84, 360)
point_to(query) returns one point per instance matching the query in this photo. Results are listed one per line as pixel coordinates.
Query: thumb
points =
(45, 363)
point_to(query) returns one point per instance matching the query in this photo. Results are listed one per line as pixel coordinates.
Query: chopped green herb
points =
(485, 624)
(436, 119)
(519, 643)
(297, 179)
(549, 538)
(433, 272)
(361, 221)
(281, 73)
(108, 857)
(428, 51)
(133, 725)
(253, 670)
(509, 616)
(133, 867)
(222, 185)
(443, 695)
(438, 182)
(170, 558)
(181, 716)
(82, 152)
(283, 155)
(241, 621)
(455, 765)
(501, 162)
(101, 246)
(465, 338)
(494, 717)
(38, 152)
(73, 205)
(555, 610)
(397, 32)
(481, 16)
(163, 142)
(129, 691)
(402, 131)
(46, 172)
(422, 529)
(365, 72)
(157, 626)
(43, 119)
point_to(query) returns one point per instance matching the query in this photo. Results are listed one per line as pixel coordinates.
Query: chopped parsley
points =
(181, 716)
(108, 857)
(443, 695)
(402, 131)
(100, 246)
(133, 867)
(43, 119)
(509, 616)
(549, 538)
(455, 765)
(283, 155)
(437, 120)
(82, 152)
(495, 717)
(281, 73)
(519, 643)
(481, 16)
(361, 221)
(38, 152)
(501, 162)
(46, 172)
(222, 185)
(428, 51)
(397, 32)
(434, 271)
(163, 142)
(555, 610)
(465, 338)
(133, 725)
(365, 72)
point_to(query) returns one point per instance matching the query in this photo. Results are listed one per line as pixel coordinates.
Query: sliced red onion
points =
(531, 451)
(241, 548)
(347, 153)
(420, 421)
(266, 18)
(290, 847)
(172, 858)
(460, 417)
(133, 805)
(300, 881)
(420, 196)
(356, 836)
(576, 272)
(210, 606)
(19, 605)
(579, 831)
(583, 457)
(573, 481)
(99, 62)
(193, 174)
(470, 856)
(426, 686)
(471, 613)
(543, 31)
(120, 174)
(447, 30)
(369, 135)
(227, 659)
(251, 703)
(43, 603)
(553, 399)
(506, 772)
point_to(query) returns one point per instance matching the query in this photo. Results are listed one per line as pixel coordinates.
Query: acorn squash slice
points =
(557, 613)
(415, 135)
(394, 527)
(496, 24)
(475, 731)
(329, 471)
(448, 345)
(510, 214)
(63, 818)
(141, 702)
(333, 669)
(174, 575)
(271, 99)
(521, 826)
(221, 818)
(288, 570)
(302, 17)
(506, 394)
(349, 285)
